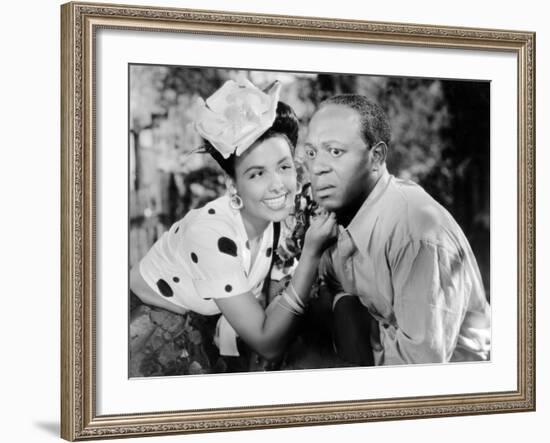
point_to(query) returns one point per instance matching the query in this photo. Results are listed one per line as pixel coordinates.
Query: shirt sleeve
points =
(215, 260)
(430, 297)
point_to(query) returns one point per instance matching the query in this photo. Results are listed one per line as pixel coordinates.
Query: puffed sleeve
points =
(215, 260)
(430, 296)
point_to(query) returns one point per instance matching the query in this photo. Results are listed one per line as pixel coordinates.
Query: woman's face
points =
(265, 178)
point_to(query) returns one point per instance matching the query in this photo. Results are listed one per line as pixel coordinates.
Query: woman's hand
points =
(320, 234)
(268, 331)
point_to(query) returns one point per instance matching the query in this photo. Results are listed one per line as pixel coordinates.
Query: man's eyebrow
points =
(332, 142)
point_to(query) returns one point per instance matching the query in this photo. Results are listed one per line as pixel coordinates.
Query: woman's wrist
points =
(309, 253)
(307, 269)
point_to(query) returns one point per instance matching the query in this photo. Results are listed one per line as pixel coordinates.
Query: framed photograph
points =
(275, 221)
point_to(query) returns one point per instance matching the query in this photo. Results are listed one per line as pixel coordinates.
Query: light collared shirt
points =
(411, 265)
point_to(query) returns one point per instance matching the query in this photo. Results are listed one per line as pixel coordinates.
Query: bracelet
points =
(293, 292)
(286, 308)
(292, 303)
(295, 308)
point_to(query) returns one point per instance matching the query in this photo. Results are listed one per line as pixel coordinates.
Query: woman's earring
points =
(236, 202)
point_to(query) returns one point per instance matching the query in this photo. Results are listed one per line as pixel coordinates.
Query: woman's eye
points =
(256, 174)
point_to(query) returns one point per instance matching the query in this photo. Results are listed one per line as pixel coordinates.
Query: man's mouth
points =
(275, 203)
(323, 191)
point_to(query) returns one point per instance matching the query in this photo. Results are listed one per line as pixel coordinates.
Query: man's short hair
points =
(375, 126)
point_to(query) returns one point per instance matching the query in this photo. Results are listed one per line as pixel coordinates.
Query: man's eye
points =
(311, 153)
(335, 152)
(286, 167)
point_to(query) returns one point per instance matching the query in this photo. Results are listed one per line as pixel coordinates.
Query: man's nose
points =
(319, 165)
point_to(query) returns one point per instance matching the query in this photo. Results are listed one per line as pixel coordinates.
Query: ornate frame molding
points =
(79, 23)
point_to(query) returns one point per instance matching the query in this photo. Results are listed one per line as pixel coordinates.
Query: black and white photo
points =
(292, 220)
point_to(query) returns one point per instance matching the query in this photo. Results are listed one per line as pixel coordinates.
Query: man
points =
(399, 251)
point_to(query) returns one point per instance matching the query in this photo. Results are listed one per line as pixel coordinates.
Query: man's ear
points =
(379, 152)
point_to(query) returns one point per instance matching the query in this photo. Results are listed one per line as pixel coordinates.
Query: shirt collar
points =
(358, 228)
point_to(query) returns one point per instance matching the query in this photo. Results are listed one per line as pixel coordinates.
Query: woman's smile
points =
(276, 203)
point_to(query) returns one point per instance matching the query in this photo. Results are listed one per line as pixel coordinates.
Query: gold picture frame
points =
(80, 21)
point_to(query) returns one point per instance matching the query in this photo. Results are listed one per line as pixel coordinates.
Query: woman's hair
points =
(285, 124)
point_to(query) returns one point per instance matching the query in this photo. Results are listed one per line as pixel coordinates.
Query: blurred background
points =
(440, 139)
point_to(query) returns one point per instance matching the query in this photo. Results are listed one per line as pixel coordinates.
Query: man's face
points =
(338, 159)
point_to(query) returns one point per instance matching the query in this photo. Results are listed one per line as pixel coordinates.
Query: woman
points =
(216, 258)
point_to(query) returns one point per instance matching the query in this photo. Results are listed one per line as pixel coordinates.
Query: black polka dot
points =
(176, 279)
(228, 288)
(268, 252)
(177, 229)
(165, 288)
(211, 211)
(227, 246)
(194, 257)
(247, 244)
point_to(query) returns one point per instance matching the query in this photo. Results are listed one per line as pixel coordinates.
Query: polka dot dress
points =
(205, 256)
